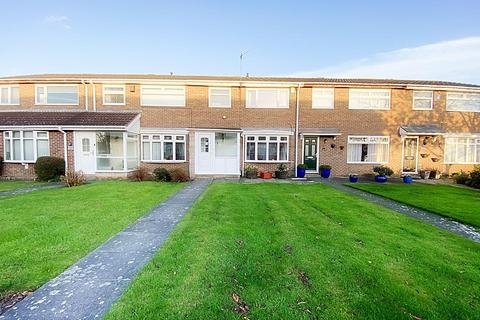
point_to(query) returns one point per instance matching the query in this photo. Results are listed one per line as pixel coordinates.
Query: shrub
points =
(282, 167)
(474, 178)
(139, 174)
(383, 170)
(461, 178)
(302, 166)
(178, 175)
(250, 172)
(161, 174)
(73, 178)
(325, 166)
(49, 168)
(1, 165)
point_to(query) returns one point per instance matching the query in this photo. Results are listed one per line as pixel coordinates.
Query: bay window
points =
(25, 146)
(113, 95)
(266, 148)
(368, 149)
(467, 102)
(9, 95)
(163, 148)
(376, 99)
(267, 98)
(56, 94)
(462, 150)
(167, 96)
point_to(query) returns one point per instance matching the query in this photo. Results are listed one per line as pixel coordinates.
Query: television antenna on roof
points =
(242, 55)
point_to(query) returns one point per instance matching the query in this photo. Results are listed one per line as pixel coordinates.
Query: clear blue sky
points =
(194, 37)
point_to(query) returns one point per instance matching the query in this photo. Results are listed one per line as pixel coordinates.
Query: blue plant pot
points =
(407, 179)
(381, 179)
(300, 172)
(325, 173)
(353, 179)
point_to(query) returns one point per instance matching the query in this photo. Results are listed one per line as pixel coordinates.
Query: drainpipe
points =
(94, 96)
(65, 147)
(86, 94)
(296, 127)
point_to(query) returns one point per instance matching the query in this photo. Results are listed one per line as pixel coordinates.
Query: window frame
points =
(248, 104)
(142, 103)
(369, 138)
(9, 94)
(45, 88)
(105, 86)
(267, 141)
(431, 100)
(475, 138)
(174, 140)
(350, 90)
(332, 102)
(35, 139)
(221, 88)
(463, 99)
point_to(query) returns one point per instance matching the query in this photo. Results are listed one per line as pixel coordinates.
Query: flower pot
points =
(353, 179)
(281, 174)
(250, 174)
(266, 175)
(425, 174)
(407, 179)
(325, 173)
(381, 179)
(300, 172)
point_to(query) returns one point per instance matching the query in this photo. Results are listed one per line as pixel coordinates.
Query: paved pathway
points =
(14, 192)
(87, 289)
(458, 228)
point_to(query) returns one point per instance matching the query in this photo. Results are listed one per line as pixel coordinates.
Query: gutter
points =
(297, 111)
(94, 96)
(86, 94)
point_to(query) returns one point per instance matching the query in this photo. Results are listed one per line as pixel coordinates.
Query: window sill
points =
(422, 109)
(367, 162)
(220, 107)
(113, 104)
(266, 161)
(161, 106)
(19, 162)
(164, 161)
(462, 110)
(351, 108)
(56, 104)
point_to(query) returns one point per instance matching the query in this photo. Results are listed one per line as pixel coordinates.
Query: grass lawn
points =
(44, 232)
(303, 252)
(457, 203)
(6, 185)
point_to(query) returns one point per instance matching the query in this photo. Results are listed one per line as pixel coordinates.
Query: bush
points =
(282, 167)
(161, 174)
(302, 166)
(139, 175)
(49, 168)
(474, 180)
(325, 166)
(461, 178)
(383, 170)
(1, 166)
(74, 178)
(250, 172)
(178, 175)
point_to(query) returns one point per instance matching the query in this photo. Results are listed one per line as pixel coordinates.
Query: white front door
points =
(217, 153)
(205, 159)
(85, 151)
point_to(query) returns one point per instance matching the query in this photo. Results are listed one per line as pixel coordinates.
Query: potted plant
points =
(266, 175)
(382, 173)
(282, 171)
(353, 178)
(407, 178)
(301, 170)
(325, 170)
(250, 172)
(435, 174)
(425, 174)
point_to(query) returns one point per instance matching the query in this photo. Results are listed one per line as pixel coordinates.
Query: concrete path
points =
(458, 228)
(14, 192)
(88, 288)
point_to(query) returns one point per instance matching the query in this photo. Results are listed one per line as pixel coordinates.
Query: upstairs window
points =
(25, 146)
(266, 148)
(113, 95)
(467, 102)
(163, 147)
(9, 95)
(323, 98)
(219, 98)
(367, 149)
(56, 94)
(422, 100)
(375, 99)
(267, 98)
(163, 96)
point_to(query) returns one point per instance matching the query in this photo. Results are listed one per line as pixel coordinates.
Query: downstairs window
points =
(367, 149)
(25, 146)
(266, 148)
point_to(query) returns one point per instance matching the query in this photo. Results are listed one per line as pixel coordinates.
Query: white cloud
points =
(61, 21)
(456, 60)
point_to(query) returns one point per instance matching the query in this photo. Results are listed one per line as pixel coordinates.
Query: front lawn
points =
(284, 251)
(6, 185)
(44, 232)
(457, 203)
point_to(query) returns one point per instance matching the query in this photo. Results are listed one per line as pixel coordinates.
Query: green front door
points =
(310, 152)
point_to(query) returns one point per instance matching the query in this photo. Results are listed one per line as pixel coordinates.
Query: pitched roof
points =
(318, 80)
(84, 118)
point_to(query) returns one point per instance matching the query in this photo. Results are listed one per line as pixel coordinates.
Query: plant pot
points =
(381, 179)
(435, 174)
(407, 179)
(266, 175)
(300, 172)
(250, 174)
(353, 179)
(425, 174)
(325, 173)
(281, 174)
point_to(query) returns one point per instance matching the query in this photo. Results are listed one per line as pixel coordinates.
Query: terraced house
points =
(110, 124)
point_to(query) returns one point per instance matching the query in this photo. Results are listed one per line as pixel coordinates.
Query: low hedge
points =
(49, 168)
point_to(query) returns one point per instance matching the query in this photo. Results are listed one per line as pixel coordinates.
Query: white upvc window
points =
(162, 96)
(61, 94)
(267, 98)
(375, 99)
(266, 148)
(422, 100)
(462, 150)
(163, 148)
(113, 94)
(462, 101)
(323, 98)
(368, 149)
(25, 146)
(9, 95)
(219, 98)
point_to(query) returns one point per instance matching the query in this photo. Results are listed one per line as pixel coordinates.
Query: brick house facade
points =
(368, 122)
